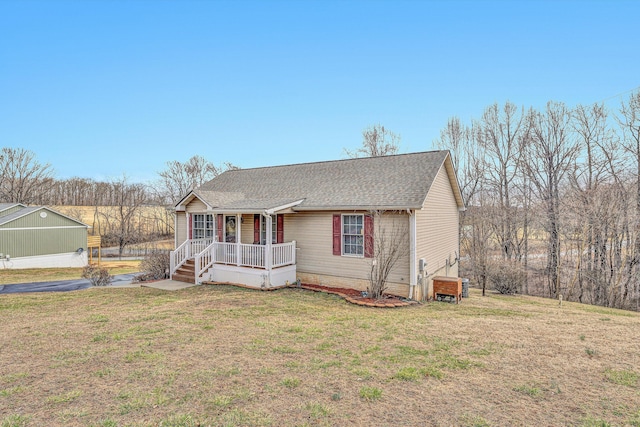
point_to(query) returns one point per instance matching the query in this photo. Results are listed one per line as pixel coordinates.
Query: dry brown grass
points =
(28, 275)
(218, 355)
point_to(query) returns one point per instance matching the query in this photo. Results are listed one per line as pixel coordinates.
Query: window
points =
(263, 230)
(202, 226)
(260, 229)
(353, 235)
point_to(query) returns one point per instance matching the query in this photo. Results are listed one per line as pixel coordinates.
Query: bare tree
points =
(629, 120)
(468, 158)
(561, 183)
(389, 244)
(376, 141)
(179, 178)
(466, 154)
(121, 217)
(500, 132)
(551, 153)
(23, 179)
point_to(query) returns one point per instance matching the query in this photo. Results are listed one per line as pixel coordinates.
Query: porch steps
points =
(186, 272)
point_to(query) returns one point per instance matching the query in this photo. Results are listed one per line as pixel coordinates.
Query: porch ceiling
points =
(257, 206)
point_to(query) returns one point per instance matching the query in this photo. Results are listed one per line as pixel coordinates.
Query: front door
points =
(230, 228)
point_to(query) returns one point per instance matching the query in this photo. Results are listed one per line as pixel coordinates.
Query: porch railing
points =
(283, 254)
(207, 252)
(244, 255)
(203, 260)
(187, 250)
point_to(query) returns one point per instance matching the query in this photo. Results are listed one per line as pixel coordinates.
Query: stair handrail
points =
(203, 260)
(178, 256)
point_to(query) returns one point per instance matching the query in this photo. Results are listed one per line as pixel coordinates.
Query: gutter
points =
(355, 208)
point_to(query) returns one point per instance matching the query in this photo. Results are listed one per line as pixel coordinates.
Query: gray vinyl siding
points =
(437, 227)
(313, 232)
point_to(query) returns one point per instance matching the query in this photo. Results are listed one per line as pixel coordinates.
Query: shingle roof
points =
(389, 182)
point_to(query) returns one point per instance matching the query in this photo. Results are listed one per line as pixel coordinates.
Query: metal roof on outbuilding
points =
(14, 216)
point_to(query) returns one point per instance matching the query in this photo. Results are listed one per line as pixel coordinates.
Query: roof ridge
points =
(335, 161)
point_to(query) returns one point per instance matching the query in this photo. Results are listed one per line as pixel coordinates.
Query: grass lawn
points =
(52, 274)
(224, 356)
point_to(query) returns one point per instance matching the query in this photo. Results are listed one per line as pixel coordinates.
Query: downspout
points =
(267, 256)
(412, 253)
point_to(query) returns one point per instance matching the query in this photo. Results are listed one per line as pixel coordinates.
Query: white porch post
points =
(293, 252)
(238, 240)
(188, 237)
(268, 256)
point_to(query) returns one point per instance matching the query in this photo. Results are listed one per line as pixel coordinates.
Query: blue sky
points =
(104, 88)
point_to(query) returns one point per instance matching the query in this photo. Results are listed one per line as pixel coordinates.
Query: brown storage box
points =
(447, 286)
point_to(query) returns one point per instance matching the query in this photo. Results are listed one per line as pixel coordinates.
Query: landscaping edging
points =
(365, 302)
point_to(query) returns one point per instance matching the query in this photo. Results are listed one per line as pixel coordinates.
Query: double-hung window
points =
(353, 235)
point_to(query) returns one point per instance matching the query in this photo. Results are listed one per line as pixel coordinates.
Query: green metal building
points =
(37, 236)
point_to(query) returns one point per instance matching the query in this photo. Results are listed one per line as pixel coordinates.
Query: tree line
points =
(120, 213)
(553, 199)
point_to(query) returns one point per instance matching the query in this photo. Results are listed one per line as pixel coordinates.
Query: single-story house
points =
(322, 222)
(37, 237)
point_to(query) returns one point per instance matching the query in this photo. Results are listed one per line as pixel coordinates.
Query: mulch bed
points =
(355, 297)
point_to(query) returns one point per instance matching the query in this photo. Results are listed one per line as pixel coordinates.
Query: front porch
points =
(255, 265)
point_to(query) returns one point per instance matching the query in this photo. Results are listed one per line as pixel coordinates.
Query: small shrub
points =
(155, 266)
(97, 276)
(506, 277)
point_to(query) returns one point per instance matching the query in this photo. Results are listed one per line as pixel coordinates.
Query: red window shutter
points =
(190, 226)
(219, 229)
(280, 229)
(368, 236)
(337, 225)
(256, 229)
